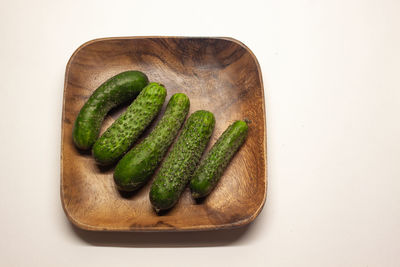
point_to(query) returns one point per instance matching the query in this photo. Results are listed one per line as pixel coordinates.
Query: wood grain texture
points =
(218, 74)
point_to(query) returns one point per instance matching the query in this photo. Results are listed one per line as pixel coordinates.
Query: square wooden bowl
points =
(218, 74)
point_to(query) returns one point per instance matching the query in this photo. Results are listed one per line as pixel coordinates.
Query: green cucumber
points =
(211, 168)
(137, 166)
(121, 135)
(115, 91)
(180, 163)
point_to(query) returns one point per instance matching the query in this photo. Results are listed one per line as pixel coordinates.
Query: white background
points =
(331, 72)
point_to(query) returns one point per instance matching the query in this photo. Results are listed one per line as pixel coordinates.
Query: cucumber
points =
(211, 168)
(117, 90)
(137, 166)
(121, 135)
(180, 163)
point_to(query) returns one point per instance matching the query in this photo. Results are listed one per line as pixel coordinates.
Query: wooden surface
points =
(218, 74)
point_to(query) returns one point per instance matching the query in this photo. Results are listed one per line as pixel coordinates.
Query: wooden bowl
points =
(218, 74)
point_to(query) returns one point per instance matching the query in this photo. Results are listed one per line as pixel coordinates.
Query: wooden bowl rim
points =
(232, 225)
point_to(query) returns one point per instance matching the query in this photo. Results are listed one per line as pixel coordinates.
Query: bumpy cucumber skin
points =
(121, 135)
(137, 166)
(117, 90)
(211, 168)
(180, 163)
